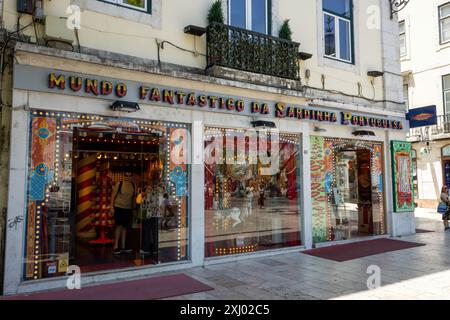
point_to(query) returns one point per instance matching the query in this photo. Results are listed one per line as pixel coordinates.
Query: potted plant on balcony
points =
(215, 13)
(284, 59)
(285, 31)
(217, 33)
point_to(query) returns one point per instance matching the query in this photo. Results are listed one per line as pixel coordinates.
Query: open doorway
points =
(102, 161)
(352, 194)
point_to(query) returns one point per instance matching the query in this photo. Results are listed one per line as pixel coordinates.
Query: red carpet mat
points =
(423, 231)
(350, 251)
(144, 289)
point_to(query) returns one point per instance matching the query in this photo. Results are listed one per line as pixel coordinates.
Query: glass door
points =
(345, 195)
(352, 194)
(447, 172)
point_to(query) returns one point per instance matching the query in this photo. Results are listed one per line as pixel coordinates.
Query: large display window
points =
(346, 189)
(252, 190)
(105, 193)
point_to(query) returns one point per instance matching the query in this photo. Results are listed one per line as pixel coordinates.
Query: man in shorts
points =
(123, 204)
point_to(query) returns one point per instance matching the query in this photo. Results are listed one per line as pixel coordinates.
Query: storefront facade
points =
(347, 179)
(235, 172)
(75, 162)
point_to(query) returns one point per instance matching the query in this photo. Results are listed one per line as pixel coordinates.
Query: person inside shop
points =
(262, 195)
(152, 212)
(122, 205)
(249, 200)
(445, 198)
(168, 209)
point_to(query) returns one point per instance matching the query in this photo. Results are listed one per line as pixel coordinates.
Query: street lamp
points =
(397, 6)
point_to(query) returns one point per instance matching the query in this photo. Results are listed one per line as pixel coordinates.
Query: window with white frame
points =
(337, 28)
(402, 34)
(249, 14)
(141, 5)
(446, 93)
(444, 22)
(406, 95)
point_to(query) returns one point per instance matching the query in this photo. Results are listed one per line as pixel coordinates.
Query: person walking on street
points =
(262, 195)
(445, 198)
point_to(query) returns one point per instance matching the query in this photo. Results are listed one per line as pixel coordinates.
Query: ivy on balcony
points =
(246, 50)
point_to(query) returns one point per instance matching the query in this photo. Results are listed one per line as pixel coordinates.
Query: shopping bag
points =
(442, 208)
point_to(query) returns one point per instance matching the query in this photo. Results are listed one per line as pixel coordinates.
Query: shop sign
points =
(63, 262)
(402, 176)
(33, 78)
(422, 117)
(51, 267)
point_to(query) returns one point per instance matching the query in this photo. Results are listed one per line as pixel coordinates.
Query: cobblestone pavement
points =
(416, 273)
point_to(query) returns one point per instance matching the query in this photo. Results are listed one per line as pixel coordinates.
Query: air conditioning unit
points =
(25, 6)
(57, 35)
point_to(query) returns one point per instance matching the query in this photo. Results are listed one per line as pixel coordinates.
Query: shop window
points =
(444, 23)
(406, 95)
(93, 178)
(249, 14)
(337, 28)
(446, 164)
(446, 151)
(402, 33)
(346, 189)
(252, 191)
(141, 5)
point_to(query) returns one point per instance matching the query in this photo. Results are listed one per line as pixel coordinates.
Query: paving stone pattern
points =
(416, 273)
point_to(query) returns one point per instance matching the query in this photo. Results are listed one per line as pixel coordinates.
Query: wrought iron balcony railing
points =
(442, 127)
(246, 50)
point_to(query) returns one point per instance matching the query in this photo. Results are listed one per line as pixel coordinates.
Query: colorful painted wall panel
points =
(402, 176)
(178, 177)
(42, 156)
(318, 195)
(377, 190)
(42, 165)
(329, 178)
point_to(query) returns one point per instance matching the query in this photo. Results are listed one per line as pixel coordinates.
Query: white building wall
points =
(427, 60)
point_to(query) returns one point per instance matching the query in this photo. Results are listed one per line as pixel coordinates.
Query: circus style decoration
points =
(402, 176)
(346, 188)
(86, 190)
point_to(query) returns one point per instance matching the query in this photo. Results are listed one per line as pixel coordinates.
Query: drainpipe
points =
(2, 3)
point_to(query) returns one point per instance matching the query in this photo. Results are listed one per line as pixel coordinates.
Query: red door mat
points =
(355, 250)
(144, 289)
